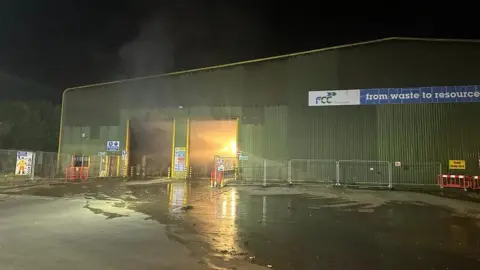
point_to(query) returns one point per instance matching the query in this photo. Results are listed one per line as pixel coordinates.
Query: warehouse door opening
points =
(209, 138)
(150, 148)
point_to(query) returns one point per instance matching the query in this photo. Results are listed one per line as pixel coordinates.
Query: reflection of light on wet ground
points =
(234, 204)
(226, 224)
(224, 209)
(293, 231)
(217, 220)
(264, 209)
(178, 196)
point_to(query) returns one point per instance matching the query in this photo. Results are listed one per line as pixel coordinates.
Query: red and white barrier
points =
(476, 182)
(459, 181)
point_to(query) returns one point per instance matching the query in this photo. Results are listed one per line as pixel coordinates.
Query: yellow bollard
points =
(169, 174)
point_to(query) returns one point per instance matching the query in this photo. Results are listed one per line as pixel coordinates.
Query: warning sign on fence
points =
(24, 163)
(457, 164)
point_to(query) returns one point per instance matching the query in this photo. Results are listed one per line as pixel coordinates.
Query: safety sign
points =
(180, 159)
(24, 163)
(113, 146)
(220, 164)
(457, 164)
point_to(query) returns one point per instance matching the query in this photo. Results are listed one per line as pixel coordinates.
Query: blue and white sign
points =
(113, 146)
(435, 94)
(21, 154)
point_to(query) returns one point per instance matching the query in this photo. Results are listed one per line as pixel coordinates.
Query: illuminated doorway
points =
(209, 138)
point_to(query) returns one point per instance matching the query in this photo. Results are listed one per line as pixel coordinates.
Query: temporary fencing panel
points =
(46, 165)
(252, 170)
(312, 171)
(225, 169)
(8, 160)
(42, 166)
(261, 171)
(416, 174)
(365, 173)
(78, 169)
(95, 166)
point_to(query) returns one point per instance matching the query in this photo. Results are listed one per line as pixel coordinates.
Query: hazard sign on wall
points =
(457, 164)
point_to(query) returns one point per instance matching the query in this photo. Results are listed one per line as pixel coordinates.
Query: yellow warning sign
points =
(456, 164)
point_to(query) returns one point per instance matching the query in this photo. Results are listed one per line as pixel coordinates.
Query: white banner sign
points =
(334, 98)
(24, 163)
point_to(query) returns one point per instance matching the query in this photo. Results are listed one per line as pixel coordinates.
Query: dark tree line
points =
(29, 125)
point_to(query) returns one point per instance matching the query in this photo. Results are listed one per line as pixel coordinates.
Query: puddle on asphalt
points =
(293, 231)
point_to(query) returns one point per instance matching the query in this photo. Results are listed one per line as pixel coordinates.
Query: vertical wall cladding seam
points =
(418, 133)
(430, 133)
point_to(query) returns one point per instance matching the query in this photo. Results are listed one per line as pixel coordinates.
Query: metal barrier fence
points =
(252, 172)
(312, 171)
(257, 170)
(18, 165)
(373, 173)
(417, 174)
(364, 172)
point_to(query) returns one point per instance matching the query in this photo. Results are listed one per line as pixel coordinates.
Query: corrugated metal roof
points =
(282, 56)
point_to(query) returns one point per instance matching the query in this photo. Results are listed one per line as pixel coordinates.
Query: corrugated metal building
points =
(270, 99)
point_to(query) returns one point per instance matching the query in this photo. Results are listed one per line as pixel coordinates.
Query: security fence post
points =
(32, 172)
(264, 172)
(337, 173)
(390, 182)
(290, 171)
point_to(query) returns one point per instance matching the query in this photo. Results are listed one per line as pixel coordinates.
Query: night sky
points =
(65, 43)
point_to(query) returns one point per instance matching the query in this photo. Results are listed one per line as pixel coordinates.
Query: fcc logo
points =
(325, 99)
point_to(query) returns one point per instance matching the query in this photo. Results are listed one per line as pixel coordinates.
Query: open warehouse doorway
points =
(209, 138)
(150, 147)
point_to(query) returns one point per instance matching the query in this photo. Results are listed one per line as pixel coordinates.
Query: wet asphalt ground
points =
(187, 225)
